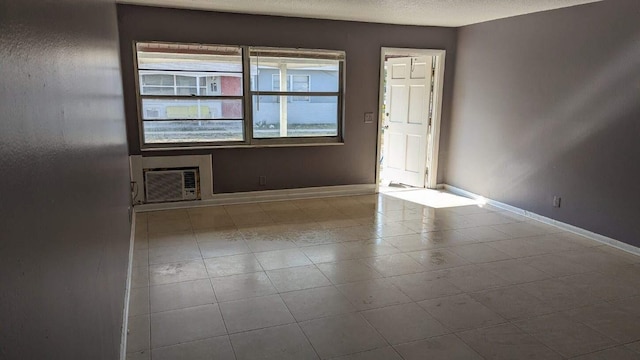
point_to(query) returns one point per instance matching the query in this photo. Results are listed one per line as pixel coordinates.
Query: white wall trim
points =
(127, 290)
(549, 221)
(266, 195)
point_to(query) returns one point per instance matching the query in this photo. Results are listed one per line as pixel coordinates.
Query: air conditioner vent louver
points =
(171, 185)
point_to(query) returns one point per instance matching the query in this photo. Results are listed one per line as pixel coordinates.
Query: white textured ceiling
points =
(452, 13)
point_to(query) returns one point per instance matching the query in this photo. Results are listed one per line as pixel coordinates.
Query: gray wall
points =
(239, 169)
(64, 229)
(549, 104)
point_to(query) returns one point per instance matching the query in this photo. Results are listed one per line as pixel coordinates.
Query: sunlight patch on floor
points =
(434, 198)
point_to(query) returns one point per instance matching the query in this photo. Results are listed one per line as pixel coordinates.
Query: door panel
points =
(406, 132)
(399, 103)
(418, 104)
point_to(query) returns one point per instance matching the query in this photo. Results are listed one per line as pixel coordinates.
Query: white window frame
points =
(247, 96)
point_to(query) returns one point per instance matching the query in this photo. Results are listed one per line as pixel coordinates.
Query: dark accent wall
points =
(64, 228)
(549, 104)
(238, 169)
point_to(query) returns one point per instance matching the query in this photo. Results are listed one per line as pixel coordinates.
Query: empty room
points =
(345, 180)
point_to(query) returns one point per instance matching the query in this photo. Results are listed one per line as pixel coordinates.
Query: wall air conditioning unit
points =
(177, 184)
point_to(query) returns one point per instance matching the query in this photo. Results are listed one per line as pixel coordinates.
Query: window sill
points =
(236, 146)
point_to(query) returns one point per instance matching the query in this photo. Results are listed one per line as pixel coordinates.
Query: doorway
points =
(411, 83)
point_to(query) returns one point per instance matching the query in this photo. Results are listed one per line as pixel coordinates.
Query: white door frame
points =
(434, 141)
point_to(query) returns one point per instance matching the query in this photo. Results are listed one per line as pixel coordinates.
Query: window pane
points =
(324, 74)
(316, 117)
(157, 79)
(186, 80)
(187, 91)
(157, 90)
(192, 131)
(191, 109)
(165, 56)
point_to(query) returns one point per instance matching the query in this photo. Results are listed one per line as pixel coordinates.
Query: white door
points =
(406, 128)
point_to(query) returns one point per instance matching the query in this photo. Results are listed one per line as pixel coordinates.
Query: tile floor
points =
(375, 277)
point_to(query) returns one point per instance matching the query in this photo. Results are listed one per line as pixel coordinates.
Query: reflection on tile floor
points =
(375, 277)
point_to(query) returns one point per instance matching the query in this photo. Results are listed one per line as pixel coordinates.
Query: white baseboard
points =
(127, 291)
(266, 195)
(543, 219)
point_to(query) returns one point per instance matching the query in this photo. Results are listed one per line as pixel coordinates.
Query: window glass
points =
(159, 132)
(317, 117)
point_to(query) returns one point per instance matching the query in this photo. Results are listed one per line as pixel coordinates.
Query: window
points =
(191, 94)
(297, 111)
(295, 83)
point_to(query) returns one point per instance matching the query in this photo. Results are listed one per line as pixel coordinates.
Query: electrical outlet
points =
(263, 180)
(556, 201)
(368, 117)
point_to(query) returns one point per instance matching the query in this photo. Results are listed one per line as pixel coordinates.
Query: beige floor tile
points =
(487, 219)
(524, 229)
(178, 326)
(461, 312)
(404, 323)
(447, 347)
(348, 271)
(506, 342)
(514, 271)
(171, 239)
(213, 235)
(176, 272)
(512, 303)
(181, 295)
(297, 278)
(568, 337)
(168, 225)
(328, 253)
(255, 313)
(411, 242)
(139, 355)
(140, 257)
(138, 337)
(362, 249)
(316, 303)
(482, 234)
(139, 301)
(232, 265)
(472, 278)
(557, 294)
(199, 222)
(519, 247)
(634, 346)
(616, 353)
(242, 286)
(218, 248)
(285, 342)
(555, 266)
(393, 265)
(139, 276)
(629, 305)
(424, 286)
(172, 254)
(371, 294)
(341, 335)
(438, 259)
(269, 243)
(218, 348)
(386, 353)
(595, 259)
(620, 325)
(479, 253)
(556, 242)
(280, 259)
(601, 286)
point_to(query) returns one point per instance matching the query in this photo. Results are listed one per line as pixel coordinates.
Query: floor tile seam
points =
(190, 342)
(448, 330)
(458, 335)
(300, 327)
(438, 336)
